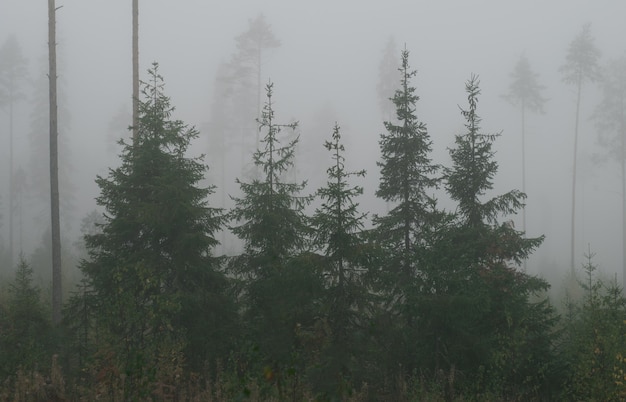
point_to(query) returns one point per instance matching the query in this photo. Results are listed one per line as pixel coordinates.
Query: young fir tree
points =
(406, 178)
(338, 227)
(270, 220)
(480, 313)
(25, 332)
(150, 266)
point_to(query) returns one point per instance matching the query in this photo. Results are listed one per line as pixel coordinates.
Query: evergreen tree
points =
(338, 228)
(25, 331)
(525, 92)
(280, 283)
(581, 67)
(155, 281)
(479, 311)
(406, 177)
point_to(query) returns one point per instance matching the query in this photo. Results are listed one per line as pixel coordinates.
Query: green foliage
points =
(150, 265)
(593, 340)
(279, 281)
(338, 227)
(25, 329)
(406, 177)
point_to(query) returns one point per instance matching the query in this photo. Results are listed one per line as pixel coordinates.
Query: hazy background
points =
(325, 69)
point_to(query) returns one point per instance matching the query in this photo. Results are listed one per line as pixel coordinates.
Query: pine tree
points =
(525, 92)
(581, 66)
(150, 267)
(610, 117)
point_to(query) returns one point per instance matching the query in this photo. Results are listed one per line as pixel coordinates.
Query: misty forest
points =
(273, 201)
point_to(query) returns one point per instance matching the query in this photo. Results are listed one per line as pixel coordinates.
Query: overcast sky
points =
(329, 59)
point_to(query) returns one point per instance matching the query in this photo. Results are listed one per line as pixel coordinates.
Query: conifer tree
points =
(338, 227)
(150, 266)
(479, 302)
(610, 117)
(581, 67)
(525, 92)
(279, 281)
(406, 178)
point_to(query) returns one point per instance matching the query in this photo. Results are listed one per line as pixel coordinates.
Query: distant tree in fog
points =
(525, 92)
(387, 79)
(13, 74)
(610, 117)
(245, 75)
(581, 66)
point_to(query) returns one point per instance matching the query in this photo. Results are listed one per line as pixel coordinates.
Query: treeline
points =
(428, 304)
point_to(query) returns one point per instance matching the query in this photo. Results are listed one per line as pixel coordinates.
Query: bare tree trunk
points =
(524, 169)
(11, 176)
(623, 163)
(135, 69)
(135, 50)
(573, 234)
(54, 168)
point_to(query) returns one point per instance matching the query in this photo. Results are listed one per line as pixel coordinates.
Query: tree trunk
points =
(573, 234)
(54, 167)
(11, 175)
(524, 170)
(135, 69)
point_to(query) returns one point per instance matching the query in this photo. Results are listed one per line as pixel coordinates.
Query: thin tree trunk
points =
(11, 174)
(573, 234)
(623, 162)
(135, 69)
(54, 168)
(524, 169)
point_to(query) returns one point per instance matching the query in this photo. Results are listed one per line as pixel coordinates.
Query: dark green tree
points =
(155, 281)
(525, 92)
(338, 230)
(610, 117)
(25, 330)
(407, 175)
(581, 67)
(481, 316)
(279, 281)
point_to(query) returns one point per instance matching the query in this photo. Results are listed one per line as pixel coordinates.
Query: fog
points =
(327, 69)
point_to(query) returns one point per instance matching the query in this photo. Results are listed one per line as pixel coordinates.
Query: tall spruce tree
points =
(338, 230)
(279, 282)
(407, 175)
(150, 266)
(479, 310)
(581, 67)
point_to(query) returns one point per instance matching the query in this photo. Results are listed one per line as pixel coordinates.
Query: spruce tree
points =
(150, 266)
(480, 313)
(338, 231)
(407, 175)
(279, 280)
